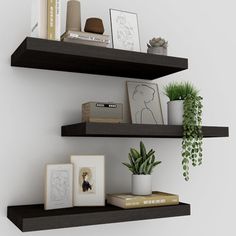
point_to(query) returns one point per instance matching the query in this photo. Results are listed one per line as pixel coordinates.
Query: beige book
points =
(127, 201)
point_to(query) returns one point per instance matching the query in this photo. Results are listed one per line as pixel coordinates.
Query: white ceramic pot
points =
(157, 50)
(141, 184)
(175, 112)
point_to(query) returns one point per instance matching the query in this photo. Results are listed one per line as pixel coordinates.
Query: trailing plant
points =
(157, 42)
(142, 162)
(192, 123)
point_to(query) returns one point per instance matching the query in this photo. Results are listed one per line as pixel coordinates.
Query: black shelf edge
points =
(34, 217)
(61, 56)
(135, 130)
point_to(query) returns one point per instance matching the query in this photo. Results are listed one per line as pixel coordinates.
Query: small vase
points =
(157, 50)
(175, 112)
(141, 185)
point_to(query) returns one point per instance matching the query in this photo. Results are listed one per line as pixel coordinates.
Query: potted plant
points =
(157, 46)
(141, 165)
(185, 108)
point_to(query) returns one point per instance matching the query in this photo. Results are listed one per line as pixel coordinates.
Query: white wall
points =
(35, 103)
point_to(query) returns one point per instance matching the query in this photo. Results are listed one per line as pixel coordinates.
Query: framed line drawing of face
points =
(89, 180)
(145, 105)
(125, 30)
(58, 186)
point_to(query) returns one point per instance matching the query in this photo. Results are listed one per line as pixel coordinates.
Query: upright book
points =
(127, 201)
(54, 20)
(39, 19)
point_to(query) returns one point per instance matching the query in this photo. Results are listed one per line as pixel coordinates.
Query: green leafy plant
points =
(143, 162)
(192, 123)
(157, 42)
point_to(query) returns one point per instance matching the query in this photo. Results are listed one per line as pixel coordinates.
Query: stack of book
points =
(128, 201)
(86, 38)
(45, 19)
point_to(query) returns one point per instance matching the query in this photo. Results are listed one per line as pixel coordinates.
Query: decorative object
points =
(94, 25)
(145, 105)
(141, 165)
(102, 112)
(54, 20)
(125, 31)
(157, 46)
(184, 96)
(86, 38)
(89, 180)
(58, 186)
(128, 201)
(73, 16)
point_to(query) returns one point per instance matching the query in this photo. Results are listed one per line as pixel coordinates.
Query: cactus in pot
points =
(157, 46)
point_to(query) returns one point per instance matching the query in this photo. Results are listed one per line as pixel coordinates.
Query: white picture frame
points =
(125, 30)
(145, 104)
(89, 180)
(58, 186)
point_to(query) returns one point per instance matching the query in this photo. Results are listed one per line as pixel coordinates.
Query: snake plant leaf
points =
(142, 150)
(150, 153)
(131, 159)
(134, 153)
(127, 164)
(144, 166)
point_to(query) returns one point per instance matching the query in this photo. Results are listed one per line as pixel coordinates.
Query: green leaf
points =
(142, 150)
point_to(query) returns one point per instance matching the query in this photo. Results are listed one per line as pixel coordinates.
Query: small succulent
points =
(157, 42)
(141, 163)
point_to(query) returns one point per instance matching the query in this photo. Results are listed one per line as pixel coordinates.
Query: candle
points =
(73, 19)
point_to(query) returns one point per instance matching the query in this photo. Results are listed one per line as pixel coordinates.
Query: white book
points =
(39, 19)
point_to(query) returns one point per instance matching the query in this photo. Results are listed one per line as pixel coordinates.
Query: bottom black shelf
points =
(34, 217)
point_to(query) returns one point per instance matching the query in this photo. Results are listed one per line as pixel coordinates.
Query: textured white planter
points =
(157, 50)
(175, 112)
(141, 184)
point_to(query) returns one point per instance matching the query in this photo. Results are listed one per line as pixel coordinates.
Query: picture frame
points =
(125, 30)
(89, 180)
(58, 186)
(145, 103)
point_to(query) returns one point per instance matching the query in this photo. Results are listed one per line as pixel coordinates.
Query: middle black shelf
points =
(135, 130)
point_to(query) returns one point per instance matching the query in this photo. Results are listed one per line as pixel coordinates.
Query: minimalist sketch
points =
(125, 31)
(59, 185)
(144, 103)
(86, 180)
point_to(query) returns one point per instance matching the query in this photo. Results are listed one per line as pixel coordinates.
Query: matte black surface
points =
(61, 56)
(134, 130)
(34, 217)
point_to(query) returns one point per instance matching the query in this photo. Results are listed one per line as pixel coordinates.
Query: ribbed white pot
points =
(141, 184)
(175, 112)
(157, 50)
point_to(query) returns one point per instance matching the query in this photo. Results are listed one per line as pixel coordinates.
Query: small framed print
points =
(58, 186)
(125, 30)
(145, 104)
(89, 180)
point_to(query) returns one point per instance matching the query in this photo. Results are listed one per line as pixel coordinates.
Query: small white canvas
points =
(144, 103)
(125, 31)
(89, 180)
(58, 186)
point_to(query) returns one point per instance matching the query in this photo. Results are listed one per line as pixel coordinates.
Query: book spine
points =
(54, 19)
(127, 204)
(39, 19)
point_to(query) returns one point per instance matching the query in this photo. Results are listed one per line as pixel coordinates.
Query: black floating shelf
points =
(34, 217)
(135, 130)
(61, 56)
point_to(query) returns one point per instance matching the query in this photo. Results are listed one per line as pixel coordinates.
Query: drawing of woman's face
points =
(144, 93)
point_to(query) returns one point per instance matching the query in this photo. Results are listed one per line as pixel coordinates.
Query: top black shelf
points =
(61, 56)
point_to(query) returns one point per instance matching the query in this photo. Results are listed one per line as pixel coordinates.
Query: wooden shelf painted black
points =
(135, 130)
(34, 217)
(61, 56)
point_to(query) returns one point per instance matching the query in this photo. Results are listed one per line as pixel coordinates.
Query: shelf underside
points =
(34, 217)
(61, 56)
(134, 130)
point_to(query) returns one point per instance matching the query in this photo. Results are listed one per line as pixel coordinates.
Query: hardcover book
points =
(39, 19)
(127, 201)
(54, 20)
